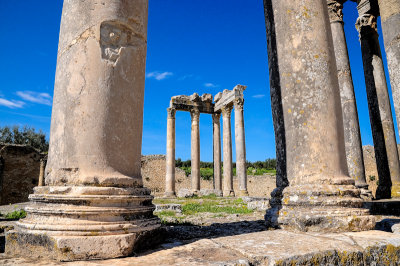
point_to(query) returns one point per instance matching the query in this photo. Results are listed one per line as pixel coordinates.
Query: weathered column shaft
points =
(386, 154)
(195, 150)
(320, 194)
(227, 149)
(94, 205)
(41, 172)
(241, 170)
(170, 155)
(217, 153)
(390, 19)
(352, 137)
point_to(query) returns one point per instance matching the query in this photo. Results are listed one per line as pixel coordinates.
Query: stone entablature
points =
(186, 103)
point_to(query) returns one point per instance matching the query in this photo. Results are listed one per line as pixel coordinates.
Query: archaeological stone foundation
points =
(94, 204)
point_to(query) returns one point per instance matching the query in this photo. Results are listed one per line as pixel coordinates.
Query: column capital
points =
(216, 117)
(366, 24)
(194, 114)
(226, 111)
(335, 10)
(238, 103)
(171, 112)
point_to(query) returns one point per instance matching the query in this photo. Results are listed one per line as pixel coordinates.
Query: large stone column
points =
(94, 205)
(216, 117)
(386, 154)
(352, 137)
(227, 149)
(170, 155)
(390, 19)
(195, 150)
(241, 170)
(320, 195)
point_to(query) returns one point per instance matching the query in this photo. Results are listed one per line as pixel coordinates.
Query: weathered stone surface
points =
(352, 135)
(19, 172)
(227, 151)
(185, 193)
(216, 117)
(195, 149)
(314, 190)
(170, 157)
(94, 205)
(203, 104)
(265, 248)
(380, 113)
(390, 19)
(168, 207)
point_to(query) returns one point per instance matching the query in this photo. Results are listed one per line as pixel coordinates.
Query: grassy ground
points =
(207, 173)
(207, 206)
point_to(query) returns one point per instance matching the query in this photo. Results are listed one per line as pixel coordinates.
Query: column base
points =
(319, 208)
(73, 248)
(243, 193)
(229, 193)
(169, 195)
(83, 223)
(395, 190)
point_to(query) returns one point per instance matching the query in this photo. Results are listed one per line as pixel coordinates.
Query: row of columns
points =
(224, 188)
(387, 158)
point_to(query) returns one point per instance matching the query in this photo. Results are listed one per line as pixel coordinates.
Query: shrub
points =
(24, 136)
(16, 215)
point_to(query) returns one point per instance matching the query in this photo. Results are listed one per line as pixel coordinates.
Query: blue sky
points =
(201, 46)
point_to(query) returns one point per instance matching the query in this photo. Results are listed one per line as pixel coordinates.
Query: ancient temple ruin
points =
(94, 205)
(223, 103)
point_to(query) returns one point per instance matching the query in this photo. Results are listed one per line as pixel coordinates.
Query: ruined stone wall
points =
(371, 171)
(19, 172)
(153, 173)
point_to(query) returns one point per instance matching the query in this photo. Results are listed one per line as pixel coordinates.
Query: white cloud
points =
(11, 104)
(35, 97)
(258, 96)
(159, 75)
(210, 85)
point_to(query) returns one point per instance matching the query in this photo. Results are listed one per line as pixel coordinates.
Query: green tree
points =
(25, 136)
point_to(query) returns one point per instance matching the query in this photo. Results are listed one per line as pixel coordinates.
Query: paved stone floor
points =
(275, 247)
(244, 240)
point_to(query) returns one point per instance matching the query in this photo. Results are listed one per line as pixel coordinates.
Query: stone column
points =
(195, 150)
(390, 19)
(241, 170)
(41, 172)
(170, 156)
(217, 153)
(227, 149)
(352, 137)
(386, 154)
(320, 195)
(94, 205)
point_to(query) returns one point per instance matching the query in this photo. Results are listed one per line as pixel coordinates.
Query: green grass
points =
(15, 215)
(166, 213)
(207, 173)
(213, 207)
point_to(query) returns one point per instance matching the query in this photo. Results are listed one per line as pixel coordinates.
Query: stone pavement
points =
(275, 247)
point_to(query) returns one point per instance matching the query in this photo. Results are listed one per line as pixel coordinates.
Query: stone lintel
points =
(187, 103)
(368, 7)
(228, 97)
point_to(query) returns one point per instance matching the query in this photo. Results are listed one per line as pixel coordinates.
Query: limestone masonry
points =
(93, 203)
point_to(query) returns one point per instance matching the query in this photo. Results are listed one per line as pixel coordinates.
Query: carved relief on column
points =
(367, 24)
(195, 149)
(335, 10)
